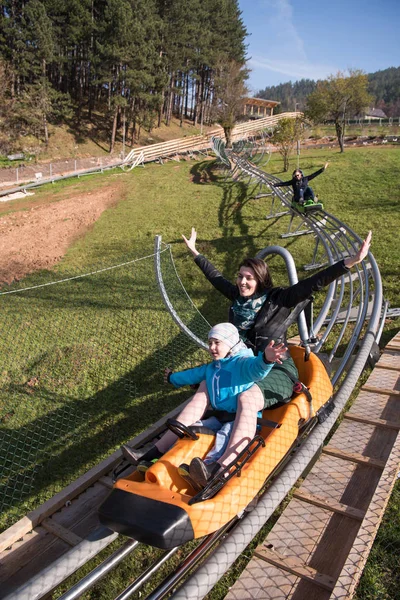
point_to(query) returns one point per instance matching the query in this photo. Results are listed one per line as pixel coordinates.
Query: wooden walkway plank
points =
(385, 378)
(376, 406)
(377, 390)
(385, 364)
(296, 568)
(305, 534)
(393, 346)
(375, 422)
(328, 528)
(354, 457)
(337, 507)
(364, 439)
(342, 481)
(354, 565)
(61, 532)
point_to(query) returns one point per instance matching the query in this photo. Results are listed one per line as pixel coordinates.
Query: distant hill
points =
(384, 86)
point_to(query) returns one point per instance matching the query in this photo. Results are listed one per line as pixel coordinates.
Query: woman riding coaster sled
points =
(303, 194)
(261, 314)
(261, 311)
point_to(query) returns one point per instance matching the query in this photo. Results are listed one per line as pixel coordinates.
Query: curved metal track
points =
(333, 240)
(355, 298)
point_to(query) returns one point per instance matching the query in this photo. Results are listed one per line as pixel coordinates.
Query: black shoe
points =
(184, 472)
(143, 465)
(202, 473)
(134, 455)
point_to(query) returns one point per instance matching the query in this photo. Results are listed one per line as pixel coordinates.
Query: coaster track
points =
(361, 302)
(355, 297)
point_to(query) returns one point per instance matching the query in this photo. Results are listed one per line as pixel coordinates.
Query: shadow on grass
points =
(49, 452)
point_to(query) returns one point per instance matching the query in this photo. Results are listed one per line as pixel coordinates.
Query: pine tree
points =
(130, 60)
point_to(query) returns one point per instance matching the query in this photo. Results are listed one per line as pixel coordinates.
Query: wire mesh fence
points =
(83, 355)
(32, 172)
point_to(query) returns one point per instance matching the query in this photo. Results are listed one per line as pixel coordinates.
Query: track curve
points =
(355, 297)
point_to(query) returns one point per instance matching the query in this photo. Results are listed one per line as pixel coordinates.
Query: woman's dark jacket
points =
(270, 323)
(298, 184)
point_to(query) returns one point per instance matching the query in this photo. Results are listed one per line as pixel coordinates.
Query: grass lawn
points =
(85, 353)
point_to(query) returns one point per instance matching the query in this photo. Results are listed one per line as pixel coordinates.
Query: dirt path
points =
(38, 238)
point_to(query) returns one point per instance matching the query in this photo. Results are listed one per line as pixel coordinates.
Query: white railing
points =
(174, 149)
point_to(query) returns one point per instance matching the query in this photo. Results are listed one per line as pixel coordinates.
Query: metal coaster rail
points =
(337, 241)
(358, 293)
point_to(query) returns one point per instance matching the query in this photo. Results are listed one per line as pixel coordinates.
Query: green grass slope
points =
(360, 187)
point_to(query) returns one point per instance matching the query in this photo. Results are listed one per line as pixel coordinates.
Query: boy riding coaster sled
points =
(232, 373)
(165, 508)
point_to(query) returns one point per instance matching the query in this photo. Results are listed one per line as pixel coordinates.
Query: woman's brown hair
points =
(261, 272)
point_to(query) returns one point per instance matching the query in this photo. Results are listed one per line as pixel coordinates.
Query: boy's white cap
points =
(225, 332)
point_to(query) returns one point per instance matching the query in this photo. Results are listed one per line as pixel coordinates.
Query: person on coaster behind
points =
(233, 371)
(299, 182)
(261, 312)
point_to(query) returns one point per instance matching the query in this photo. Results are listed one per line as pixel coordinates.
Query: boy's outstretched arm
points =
(167, 373)
(255, 368)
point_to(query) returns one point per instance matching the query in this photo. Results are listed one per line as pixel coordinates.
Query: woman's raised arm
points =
(350, 261)
(191, 242)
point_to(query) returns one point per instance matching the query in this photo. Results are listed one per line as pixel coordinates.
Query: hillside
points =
(90, 139)
(384, 86)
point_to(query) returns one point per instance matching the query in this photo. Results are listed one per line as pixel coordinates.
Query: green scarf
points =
(245, 312)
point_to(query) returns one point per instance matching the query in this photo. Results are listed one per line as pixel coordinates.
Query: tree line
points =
(383, 86)
(335, 99)
(134, 62)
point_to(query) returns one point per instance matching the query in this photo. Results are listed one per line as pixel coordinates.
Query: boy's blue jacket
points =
(226, 378)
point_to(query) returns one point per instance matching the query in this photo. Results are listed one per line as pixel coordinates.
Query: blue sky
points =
(296, 39)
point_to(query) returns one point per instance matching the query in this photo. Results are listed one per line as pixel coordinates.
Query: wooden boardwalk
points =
(318, 547)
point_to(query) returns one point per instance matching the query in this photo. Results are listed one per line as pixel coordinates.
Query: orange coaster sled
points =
(164, 510)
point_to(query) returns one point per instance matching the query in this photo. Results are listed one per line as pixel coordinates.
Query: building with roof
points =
(374, 113)
(258, 108)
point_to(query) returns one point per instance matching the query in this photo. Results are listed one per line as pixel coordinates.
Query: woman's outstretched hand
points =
(350, 261)
(326, 165)
(274, 353)
(191, 242)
